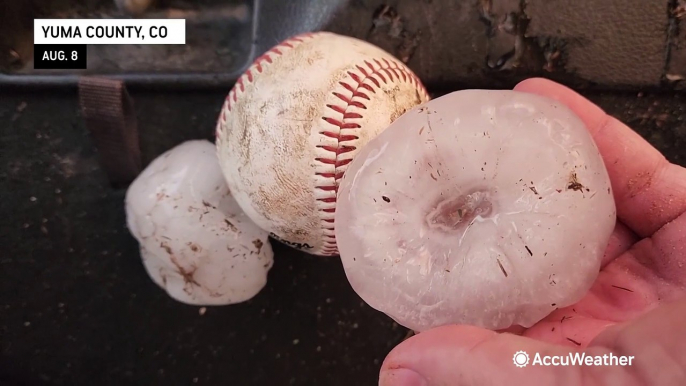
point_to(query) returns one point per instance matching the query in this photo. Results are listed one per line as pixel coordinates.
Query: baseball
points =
(295, 120)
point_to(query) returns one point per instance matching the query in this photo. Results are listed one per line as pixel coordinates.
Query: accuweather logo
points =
(521, 359)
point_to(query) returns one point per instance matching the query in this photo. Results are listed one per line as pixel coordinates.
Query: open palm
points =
(644, 267)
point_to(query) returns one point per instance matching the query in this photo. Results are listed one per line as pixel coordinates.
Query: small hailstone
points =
(489, 208)
(195, 241)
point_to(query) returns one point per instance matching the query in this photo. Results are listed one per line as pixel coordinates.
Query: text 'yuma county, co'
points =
(109, 32)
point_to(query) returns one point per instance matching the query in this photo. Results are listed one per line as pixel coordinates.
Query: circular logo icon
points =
(520, 359)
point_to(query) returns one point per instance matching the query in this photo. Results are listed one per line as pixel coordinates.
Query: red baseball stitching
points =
(357, 85)
(387, 71)
(256, 66)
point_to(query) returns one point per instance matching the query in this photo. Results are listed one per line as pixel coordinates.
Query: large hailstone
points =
(489, 208)
(195, 241)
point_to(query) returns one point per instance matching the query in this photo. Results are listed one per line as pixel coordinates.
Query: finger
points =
(664, 255)
(621, 240)
(649, 191)
(463, 355)
(657, 340)
(651, 272)
(569, 326)
(514, 329)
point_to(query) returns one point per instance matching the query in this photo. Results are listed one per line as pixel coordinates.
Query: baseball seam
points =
(257, 66)
(342, 123)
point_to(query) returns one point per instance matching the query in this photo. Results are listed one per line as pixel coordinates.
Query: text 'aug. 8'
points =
(61, 44)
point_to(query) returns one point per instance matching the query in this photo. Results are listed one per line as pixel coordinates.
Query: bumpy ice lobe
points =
(195, 241)
(489, 208)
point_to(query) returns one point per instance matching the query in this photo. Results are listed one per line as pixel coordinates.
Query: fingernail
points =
(401, 377)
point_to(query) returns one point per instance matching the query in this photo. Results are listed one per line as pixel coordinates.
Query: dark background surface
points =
(76, 306)
(604, 44)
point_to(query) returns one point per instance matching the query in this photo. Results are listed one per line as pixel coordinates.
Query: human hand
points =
(637, 306)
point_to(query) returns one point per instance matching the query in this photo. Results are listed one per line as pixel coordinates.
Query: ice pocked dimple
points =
(489, 208)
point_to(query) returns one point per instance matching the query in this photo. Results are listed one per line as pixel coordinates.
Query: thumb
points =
(464, 355)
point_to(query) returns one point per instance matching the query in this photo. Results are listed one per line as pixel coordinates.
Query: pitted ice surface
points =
(489, 208)
(195, 241)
